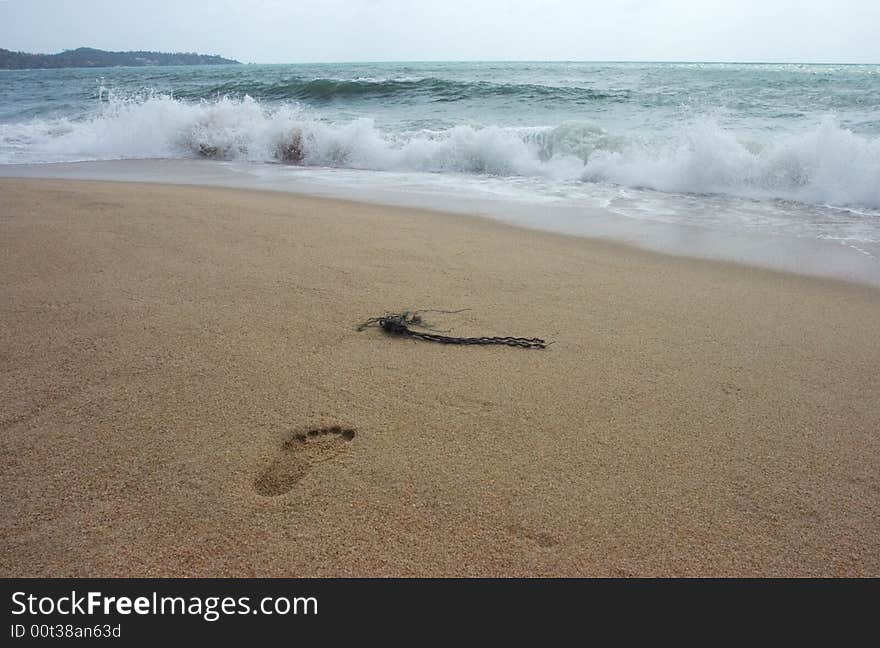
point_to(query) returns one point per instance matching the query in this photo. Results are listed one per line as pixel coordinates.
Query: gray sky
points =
(279, 31)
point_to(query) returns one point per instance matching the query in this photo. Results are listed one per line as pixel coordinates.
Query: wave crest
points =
(323, 90)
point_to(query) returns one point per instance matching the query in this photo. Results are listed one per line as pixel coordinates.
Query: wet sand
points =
(183, 392)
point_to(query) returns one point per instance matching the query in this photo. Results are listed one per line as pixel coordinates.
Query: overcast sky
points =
(287, 31)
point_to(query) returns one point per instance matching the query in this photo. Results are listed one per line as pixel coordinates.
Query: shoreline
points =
(851, 262)
(166, 345)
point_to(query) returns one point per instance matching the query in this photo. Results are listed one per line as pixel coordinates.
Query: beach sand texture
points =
(183, 392)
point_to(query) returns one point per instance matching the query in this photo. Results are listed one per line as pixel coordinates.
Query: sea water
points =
(760, 151)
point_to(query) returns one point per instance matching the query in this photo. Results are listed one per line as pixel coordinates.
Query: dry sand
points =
(161, 347)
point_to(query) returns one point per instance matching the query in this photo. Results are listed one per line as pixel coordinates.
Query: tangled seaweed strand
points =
(399, 324)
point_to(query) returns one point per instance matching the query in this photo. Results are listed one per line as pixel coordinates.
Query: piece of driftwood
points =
(402, 324)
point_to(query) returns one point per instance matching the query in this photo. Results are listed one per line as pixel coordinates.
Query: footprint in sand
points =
(298, 455)
(543, 540)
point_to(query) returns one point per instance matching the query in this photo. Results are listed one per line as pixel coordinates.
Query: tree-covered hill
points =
(90, 58)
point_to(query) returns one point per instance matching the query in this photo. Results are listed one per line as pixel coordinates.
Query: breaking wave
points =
(826, 164)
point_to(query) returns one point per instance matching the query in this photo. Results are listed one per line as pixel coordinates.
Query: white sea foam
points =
(827, 164)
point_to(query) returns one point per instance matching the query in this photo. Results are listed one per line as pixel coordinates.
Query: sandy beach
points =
(183, 392)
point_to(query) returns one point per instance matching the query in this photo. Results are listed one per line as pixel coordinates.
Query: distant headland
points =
(87, 57)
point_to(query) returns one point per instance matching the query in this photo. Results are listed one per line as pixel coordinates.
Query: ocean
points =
(761, 151)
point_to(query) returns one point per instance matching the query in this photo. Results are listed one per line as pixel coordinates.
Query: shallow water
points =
(859, 262)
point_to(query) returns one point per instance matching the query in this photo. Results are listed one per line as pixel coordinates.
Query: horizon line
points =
(695, 61)
(488, 60)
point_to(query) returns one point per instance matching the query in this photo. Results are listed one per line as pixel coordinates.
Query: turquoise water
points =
(793, 148)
